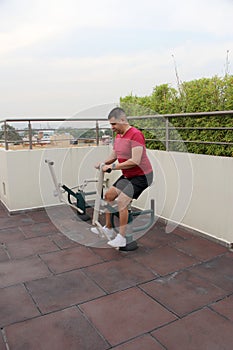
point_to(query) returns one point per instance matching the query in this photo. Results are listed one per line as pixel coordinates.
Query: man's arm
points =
(111, 159)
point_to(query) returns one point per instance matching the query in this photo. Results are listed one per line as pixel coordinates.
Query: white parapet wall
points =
(189, 189)
(195, 191)
(25, 179)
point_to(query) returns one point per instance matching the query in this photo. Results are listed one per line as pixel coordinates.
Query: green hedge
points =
(203, 95)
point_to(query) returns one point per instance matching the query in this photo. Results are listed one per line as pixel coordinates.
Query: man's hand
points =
(97, 165)
(107, 168)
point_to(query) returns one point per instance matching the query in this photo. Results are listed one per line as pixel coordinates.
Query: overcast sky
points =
(61, 57)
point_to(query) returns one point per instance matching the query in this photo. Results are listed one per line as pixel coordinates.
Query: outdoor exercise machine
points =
(80, 204)
(131, 244)
(100, 206)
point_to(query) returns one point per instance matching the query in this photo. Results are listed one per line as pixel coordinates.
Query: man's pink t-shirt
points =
(123, 147)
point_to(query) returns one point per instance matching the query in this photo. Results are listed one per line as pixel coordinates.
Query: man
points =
(137, 174)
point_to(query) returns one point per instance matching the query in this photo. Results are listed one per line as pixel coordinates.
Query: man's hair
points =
(117, 113)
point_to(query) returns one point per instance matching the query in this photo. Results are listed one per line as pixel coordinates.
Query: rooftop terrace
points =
(174, 292)
(59, 291)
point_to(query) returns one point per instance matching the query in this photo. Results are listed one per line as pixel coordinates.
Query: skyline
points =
(62, 58)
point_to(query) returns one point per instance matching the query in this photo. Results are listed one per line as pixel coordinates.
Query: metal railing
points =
(160, 128)
(30, 129)
(168, 128)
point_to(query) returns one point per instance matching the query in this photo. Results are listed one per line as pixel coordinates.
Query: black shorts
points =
(134, 186)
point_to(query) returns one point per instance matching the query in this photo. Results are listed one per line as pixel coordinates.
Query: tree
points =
(164, 99)
(12, 134)
(201, 95)
(134, 105)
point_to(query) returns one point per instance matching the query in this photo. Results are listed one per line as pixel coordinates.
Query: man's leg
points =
(110, 196)
(127, 190)
(120, 240)
(123, 202)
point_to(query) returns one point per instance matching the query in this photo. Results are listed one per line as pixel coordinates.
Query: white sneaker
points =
(118, 242)
(108, 231)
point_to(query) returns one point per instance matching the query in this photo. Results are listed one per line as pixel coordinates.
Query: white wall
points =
(4, 190)
(27, 178)
(194, 190)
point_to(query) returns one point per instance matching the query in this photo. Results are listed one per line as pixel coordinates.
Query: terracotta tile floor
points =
(174, 292)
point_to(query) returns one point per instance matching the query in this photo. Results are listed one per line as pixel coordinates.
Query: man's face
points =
(117, 125)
